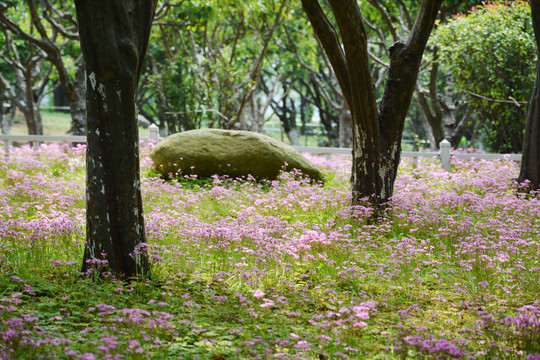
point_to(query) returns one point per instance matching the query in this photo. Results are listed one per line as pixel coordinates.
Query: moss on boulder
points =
(207, 152)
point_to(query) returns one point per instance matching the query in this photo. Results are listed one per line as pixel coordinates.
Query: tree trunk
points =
(292, 135)
(31, 123)
(5, 126)
(253, 117)
(77, 102)
(530, 162)
(405, 59)
(441, 114)
(345, 127)
(6, 123)
(376, 133)
(114, 38)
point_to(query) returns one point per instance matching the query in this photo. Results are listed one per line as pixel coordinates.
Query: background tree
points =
(489, 54)
(432, 112)
(384, 20)
(168, 95)
(114, 39)
(24, 78)
(52, 30)
(446, 114)
(530, 163)
(223, 46)
(285, 83)
(318, 87)
(5, 106)
(376, 132)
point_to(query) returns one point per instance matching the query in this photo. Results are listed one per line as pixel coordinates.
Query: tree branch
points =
(362, 100)
(405, 60)
(386, 18)
(511, 101)
(56, 25)
(405, 10)
(327, 35)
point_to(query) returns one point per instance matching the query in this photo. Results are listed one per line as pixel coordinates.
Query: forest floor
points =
(285, 269)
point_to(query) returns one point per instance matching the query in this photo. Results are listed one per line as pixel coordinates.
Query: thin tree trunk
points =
(345, 127)
(31, 122)
(77, 102)
(530, 162)
(292, 135)
(114, 38)
(440, 115)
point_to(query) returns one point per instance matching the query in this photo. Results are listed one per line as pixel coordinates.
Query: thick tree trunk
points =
(114, 38)
(376, 133)
(530, 162)
(405, 59)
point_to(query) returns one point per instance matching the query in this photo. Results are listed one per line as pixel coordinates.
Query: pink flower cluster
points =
(451, 272)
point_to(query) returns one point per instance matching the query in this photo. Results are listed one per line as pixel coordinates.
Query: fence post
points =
(445, 154)
(154, 133)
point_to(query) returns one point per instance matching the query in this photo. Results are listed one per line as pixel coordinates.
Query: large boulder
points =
(207, 152)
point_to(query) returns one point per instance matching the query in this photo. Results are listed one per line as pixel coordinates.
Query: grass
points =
(280, 270)
(54, 123)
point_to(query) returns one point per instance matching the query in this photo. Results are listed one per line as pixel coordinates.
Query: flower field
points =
(278, 270)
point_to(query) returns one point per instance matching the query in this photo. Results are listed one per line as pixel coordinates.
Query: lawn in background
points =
(54, 123)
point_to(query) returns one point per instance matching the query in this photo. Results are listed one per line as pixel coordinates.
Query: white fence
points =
(444, 155)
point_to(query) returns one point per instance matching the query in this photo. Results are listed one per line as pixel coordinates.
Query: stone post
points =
(445, 154)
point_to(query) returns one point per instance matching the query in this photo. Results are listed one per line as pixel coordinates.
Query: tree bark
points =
(5, 125)
(405, 59)
(441, 113)
(77, 101)
(530, 162)
(114, 38)
(345, 127)
(376, 132)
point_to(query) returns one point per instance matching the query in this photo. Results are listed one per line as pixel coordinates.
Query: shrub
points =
(491, 54)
